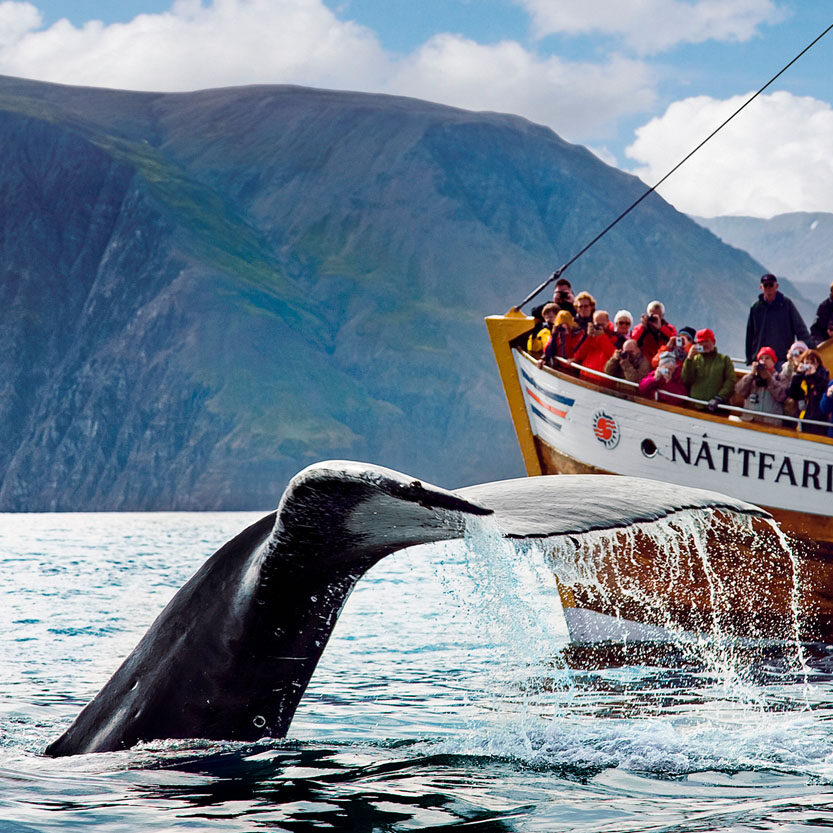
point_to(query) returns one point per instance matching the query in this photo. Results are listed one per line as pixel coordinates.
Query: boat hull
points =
(579, 427)
(756, 591)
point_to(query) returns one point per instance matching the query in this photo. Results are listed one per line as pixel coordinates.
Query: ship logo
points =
(606, 429)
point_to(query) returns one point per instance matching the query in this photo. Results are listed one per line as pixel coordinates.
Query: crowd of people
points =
(786, 374)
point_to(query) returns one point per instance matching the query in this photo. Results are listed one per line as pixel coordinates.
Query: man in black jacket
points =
(773, 322)
(824, 315)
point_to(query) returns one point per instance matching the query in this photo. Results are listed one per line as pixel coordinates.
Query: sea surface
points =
(447, 698)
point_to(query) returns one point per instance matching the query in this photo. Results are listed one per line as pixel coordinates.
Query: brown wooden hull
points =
(752, 589)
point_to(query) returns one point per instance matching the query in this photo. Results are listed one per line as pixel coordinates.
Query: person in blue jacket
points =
(826, 406)
(774, 322)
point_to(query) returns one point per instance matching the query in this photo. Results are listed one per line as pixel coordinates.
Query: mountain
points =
(204, 292)
(798, 245)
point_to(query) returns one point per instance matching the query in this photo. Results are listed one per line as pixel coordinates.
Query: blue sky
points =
(639, 82)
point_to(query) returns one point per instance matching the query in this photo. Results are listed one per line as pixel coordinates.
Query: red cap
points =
(767, 351)
(705, 335)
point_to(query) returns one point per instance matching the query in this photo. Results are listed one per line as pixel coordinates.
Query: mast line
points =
(561, 269)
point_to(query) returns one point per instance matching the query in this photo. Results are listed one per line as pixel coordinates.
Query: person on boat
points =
(820, 330)
(622, 323)
(538, 320)
(667, 378)
(676, 345)
(627, 362)
(680, 345)
(566, 336)
(788, 369)
(773, 322)
(602, 317)
(653, 332)
(586, 306)
(708, 375)
(826, 407)
(562, 296)
(763, 389)
(687, 334)
(808, 385)
(538, 338)
(829, 329)
(796, 351)
(596, 346)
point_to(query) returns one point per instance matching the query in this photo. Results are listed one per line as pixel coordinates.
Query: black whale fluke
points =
(232, 653)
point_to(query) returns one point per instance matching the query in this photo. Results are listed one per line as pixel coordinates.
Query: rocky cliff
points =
(202, 293)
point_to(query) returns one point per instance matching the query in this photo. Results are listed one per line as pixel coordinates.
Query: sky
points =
(640, 82)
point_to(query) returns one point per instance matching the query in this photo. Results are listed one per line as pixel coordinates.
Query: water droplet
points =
(259, 721)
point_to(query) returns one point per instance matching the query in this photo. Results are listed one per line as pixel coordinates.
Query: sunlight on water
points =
(448, 694)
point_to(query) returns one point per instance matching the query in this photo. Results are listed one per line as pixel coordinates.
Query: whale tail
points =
(232, 653)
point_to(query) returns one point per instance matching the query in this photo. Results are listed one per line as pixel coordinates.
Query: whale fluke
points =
(232, 653)
(544, 507)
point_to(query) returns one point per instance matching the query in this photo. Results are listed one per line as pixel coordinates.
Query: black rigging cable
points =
(561, 269)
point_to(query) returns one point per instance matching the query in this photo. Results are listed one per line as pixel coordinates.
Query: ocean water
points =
(448, 698)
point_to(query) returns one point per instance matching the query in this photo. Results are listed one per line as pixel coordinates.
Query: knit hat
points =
(767, 351)
(623, 313)
(705, 335)
(666, 358)
(689, 331)
(797, 347)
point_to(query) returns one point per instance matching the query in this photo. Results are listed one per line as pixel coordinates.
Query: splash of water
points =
(722, 592)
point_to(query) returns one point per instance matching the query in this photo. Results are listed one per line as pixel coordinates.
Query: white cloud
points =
(576, 99)
(226, 42)
(192, 46)
(650, 26)
(16, 19)
(773, 158)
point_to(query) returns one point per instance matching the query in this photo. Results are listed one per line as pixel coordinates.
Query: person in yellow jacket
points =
(537, 341)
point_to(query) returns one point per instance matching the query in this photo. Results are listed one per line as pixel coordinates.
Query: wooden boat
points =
(572, 420)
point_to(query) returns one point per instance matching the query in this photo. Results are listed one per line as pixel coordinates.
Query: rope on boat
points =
(561, 269)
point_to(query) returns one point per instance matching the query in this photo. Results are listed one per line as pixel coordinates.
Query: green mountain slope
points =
(202, 293)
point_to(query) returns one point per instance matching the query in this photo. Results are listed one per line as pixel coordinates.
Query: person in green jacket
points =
(708, 375)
